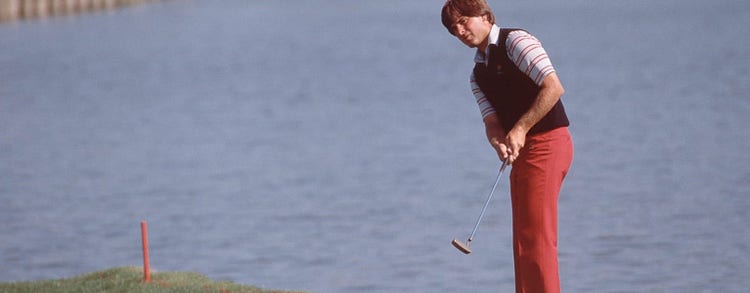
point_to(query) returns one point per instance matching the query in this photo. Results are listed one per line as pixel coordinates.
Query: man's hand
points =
(500, 146)
(497, 137)
(514, 142)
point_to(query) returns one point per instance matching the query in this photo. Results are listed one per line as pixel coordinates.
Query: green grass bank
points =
(130, 279)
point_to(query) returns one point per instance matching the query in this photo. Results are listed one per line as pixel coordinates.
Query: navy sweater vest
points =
(511, 92)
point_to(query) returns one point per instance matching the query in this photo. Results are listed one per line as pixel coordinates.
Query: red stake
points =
(144, 237)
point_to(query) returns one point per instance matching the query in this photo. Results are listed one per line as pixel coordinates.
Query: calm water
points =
(334, 146)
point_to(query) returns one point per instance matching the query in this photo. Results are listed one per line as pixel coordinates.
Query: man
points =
(518, 93)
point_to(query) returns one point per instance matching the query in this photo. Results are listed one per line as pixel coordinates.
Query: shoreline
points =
(130, 279)
(14, 10)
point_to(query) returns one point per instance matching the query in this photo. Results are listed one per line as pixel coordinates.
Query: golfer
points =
(518, 93)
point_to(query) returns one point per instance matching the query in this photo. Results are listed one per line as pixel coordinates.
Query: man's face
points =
(472, 30)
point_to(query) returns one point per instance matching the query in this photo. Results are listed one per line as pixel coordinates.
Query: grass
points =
(130, 279)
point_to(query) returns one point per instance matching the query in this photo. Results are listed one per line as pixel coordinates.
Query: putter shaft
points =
(479, 220)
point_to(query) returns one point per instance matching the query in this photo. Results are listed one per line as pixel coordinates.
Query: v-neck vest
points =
(511, 92)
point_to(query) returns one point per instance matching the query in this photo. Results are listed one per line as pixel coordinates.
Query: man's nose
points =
(460, 30)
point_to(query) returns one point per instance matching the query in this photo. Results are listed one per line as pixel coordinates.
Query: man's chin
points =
(470, 45)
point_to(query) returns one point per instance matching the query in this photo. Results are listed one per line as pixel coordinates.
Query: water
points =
(334, 146)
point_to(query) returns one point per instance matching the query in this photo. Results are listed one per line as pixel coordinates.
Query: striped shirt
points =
(527, 54)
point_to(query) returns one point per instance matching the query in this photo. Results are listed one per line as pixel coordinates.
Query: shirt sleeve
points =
(527, 53)
(485, 108)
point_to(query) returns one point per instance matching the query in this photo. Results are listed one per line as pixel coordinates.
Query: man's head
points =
(469, 20)
(454, 10)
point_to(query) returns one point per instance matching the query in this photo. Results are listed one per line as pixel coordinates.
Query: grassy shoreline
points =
(130, 279)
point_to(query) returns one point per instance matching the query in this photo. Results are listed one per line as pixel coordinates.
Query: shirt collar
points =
(481, 57)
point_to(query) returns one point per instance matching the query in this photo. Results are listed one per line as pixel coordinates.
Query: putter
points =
(464, 247)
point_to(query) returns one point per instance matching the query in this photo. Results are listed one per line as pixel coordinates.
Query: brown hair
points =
(455, 9)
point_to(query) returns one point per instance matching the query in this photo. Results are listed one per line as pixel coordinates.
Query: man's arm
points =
(550, 92)
(495, 132)
(529, 56)
(496, 135)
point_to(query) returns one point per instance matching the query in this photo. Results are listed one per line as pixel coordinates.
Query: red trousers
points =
(535, 182)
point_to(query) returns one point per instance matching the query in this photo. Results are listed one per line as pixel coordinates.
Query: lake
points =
(335, 146)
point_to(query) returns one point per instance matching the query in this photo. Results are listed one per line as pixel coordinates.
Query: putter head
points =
(460, 246)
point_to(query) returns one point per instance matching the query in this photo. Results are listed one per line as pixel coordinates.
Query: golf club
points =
(465, 247)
